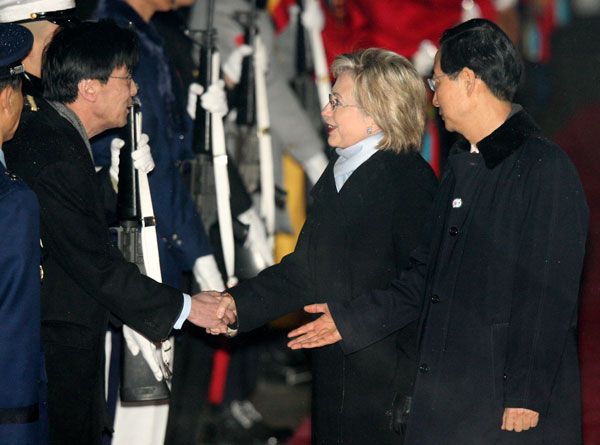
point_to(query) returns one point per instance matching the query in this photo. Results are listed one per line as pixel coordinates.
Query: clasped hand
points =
(214, 311)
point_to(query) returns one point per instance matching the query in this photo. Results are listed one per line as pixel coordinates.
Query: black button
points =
(424, 368)
(435, 299)
(453, 231)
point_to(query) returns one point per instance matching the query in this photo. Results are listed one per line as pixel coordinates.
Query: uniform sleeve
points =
(277, 290)
(80, 243)
(544, 302)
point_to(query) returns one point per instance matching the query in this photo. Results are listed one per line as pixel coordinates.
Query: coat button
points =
(435, 299)
(424, 368)
(453, 231)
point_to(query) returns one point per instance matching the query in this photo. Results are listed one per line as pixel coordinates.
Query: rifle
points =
(253, 110)
(209, 176)
(138, 243)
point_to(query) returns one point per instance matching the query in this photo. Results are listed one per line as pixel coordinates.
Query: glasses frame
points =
(335, 103)
(432, 81)
(128, 78)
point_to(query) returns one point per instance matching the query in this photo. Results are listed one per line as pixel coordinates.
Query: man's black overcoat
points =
(496, 291)
(354, 240)
(85, 277)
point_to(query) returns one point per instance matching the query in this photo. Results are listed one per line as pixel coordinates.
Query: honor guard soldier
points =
(23, 418)
(42, 18)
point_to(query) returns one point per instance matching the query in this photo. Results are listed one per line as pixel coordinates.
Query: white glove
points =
(215, 100)
(142, 157)
(256, 241)
(261, 58)
(233, 65)
(470, 10)
(137, 343)
(207, 274)
(315, 166)
(194, 91)
(312, 17)
(115, 149)
(424, 58)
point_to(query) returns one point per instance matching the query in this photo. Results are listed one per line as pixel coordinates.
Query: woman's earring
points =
(369, 130)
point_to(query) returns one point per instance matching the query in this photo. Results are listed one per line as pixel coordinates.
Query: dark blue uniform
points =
(23, 413)
(22, 382)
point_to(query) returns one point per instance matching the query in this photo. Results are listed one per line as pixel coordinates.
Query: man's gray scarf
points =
(69, 115)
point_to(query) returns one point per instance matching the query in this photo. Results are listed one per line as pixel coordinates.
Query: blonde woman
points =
(369, 207)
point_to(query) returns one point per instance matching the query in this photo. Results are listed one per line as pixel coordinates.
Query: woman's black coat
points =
(354, 240)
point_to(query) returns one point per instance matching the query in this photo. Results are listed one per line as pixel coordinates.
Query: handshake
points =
(214, 311)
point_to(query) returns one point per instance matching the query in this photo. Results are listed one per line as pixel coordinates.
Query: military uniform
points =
(23, 418)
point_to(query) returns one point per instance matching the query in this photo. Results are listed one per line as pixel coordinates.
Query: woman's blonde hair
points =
(388, 88)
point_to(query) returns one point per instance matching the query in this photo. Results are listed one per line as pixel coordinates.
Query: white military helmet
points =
(19, 11)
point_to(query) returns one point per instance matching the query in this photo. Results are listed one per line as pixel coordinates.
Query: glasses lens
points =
(332, 101)
(431, 84)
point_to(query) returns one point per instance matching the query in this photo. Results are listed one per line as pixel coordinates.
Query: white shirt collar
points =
(2, 160)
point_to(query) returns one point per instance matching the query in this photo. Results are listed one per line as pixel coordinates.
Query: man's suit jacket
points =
(86, 277)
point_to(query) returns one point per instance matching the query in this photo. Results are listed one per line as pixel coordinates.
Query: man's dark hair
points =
(483, 47)
(85, 50)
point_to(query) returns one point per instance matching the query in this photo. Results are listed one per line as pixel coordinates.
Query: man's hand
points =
(232, 68)
(142, 155)
(195, 90)
(226, 305)
(207, 273)
(204, 312)
(519, 419)
(320, 332)
(215, 99)
(256, 241)
(312, 17)
(115, 151)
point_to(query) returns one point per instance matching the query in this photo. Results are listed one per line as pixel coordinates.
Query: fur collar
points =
(504, 141)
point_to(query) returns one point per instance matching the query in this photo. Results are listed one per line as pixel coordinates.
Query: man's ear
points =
(88, 89)
(468, 79)
(6, 98)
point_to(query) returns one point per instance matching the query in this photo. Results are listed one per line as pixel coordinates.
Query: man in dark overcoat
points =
(87, 81)
(23, 418)
(495, 284)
